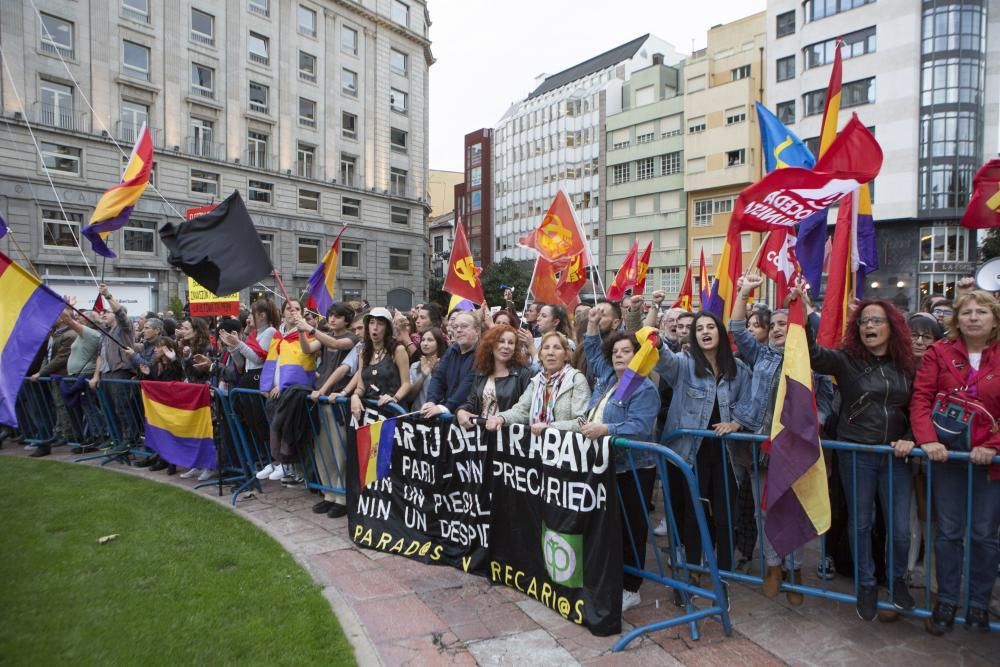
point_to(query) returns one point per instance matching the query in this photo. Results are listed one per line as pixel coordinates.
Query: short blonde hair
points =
(562, 341)
(983, 298)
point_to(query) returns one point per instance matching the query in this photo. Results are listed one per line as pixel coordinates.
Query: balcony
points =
(57, 50)
(61, 117)
(129, 132)
(207, 149)
(309, 169)
(260, 160)
(260, 59)
(134, 14)
(259, 10)
(202, 38)
(201, 91)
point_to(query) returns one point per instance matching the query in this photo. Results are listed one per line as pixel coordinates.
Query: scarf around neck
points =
(547, 390)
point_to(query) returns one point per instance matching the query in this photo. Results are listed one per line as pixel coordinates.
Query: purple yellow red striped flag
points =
(324, 278)
(116, 204)
(27, 311)
(642, 364)
(179, 422)
(375, 443)
(796, 496)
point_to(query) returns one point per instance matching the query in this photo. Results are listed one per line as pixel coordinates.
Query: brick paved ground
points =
(399, 612)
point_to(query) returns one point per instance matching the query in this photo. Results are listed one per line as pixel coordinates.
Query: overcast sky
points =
(490, 51)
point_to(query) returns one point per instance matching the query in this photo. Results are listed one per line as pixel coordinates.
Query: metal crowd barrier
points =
(835, 588)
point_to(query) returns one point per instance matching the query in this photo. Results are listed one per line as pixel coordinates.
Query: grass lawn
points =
(186, 582)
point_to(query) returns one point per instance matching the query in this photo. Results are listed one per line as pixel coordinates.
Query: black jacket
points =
(508, 389)
(449, 385)
(874, 395)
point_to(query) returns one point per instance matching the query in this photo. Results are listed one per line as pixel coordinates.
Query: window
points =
(696, 83)
(670, 163)
(475, 153)
(349, 125)
(476, 177)
(307, 21)
(785, 68)
(259, 94)
(257, 149)
(954, 27)
(736, 115)
(139, 236)
(133, 117)
(696, 124)
(349, 40)
(786, 24)
(57, 105)
(399, 62)
(350, 253)
(267, 240)
(818, 9)
(741, 72)
(397, 181)
(348, 169)
(399, 259)
(201, 137)
(350, 208)
(305, 163)
(202, 80)
(621, 173)
(137, 10)
(400, 13)
(438, 244)
(309, 200)
(204, 182)
(696, 165)
(60, 231)
(59, 158)
(951, 81)
(307, 112)
(260, 191)
(397, 139)
(349, 82)
(259, 47)
(944, 244)
(308, 251)
(397, 100)
(645, 138)
(399, 215)
(202, 27)
(135, 60)
(260, 7)
(702, 213)
(644, 169)
(670, 280)
(307, 67)
(476, 200)
(785, 111)
(946, 184)
(620, 139)
(736, 158)
(948, 134)
(57, 36)
(856, 93)
(856, 43)
(724, 205)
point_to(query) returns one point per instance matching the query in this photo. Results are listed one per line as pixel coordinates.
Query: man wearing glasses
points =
(452, 379)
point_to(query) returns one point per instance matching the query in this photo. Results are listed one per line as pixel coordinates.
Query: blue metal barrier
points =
(826, 590)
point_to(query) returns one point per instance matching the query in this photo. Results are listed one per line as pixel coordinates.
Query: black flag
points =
(220, 249)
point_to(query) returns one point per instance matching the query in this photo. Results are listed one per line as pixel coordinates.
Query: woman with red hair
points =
(501, 375)
(874, 369)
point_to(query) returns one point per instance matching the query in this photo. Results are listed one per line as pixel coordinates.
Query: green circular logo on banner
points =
(560, 557)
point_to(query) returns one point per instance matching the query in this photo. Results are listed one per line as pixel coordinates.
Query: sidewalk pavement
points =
(399, 612)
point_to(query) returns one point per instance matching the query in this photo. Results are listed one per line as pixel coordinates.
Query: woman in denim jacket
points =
(633, 418)
(711, 390)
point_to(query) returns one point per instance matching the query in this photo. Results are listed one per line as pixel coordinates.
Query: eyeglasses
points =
(942, 311)
(876, 320)
(461, 327)
(921, 336)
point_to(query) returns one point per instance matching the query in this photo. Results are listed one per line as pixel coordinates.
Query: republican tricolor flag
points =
(642, 364)
(179, 422)
(375, 442)
(796, 496)
(324, 278)
(116, 204)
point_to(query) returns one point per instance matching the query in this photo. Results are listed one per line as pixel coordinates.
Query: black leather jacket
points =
(874, 393)
(508, 389)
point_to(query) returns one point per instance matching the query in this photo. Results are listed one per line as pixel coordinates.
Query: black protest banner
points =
(433, 506)
(558, 538)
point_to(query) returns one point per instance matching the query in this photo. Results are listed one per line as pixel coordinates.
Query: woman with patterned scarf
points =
(557, 396)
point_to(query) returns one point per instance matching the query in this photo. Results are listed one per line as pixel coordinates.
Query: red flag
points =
(571, 280)
(463, 278)
(778, 262)
(643, 269)
(704, 287)
(558, 237)
(544, 282)
(686, 295)
(98, 305)
(625, 278)
(839, 281)
(984, 206)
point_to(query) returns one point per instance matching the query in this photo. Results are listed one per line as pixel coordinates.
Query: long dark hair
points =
(200, 343)
(559, 312)
(724, 358)
(389, 341)
(900, 344)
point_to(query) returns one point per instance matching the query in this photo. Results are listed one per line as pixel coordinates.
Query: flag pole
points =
(756, 255)
(281, 285)
(527, 292)
(23, 254)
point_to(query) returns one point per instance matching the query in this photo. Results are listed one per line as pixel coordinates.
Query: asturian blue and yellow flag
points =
(780, 145)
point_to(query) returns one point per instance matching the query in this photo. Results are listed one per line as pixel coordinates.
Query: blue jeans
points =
(872, 472)
(949, 480)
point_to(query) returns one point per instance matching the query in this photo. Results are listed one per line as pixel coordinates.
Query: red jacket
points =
(945, 367)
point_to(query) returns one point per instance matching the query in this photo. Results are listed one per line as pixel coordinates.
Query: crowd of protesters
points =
(547, 368)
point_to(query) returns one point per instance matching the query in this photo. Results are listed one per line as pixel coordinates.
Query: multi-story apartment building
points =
(474, 194)
(721, 134)
(645, 200)
(442, 232)
(441, 190)
(554, 139)
(315, 110)
(924, 78)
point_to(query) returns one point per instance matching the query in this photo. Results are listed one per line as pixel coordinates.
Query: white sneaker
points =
(661, 528)
(630, 599)
(266, 472)
(193, 472)
(277, 473)
(206, 474)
